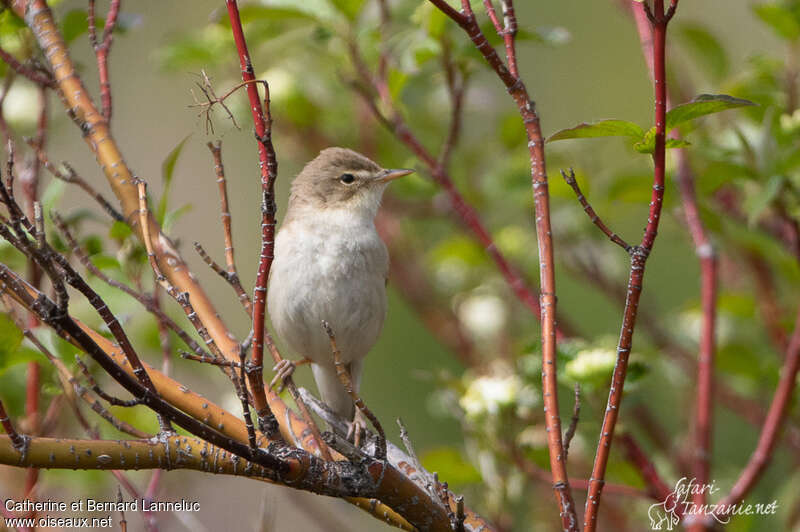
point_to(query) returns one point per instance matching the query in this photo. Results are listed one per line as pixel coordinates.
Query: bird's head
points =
(339, 178)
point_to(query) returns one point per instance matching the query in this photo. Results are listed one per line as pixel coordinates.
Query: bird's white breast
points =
(329, 265)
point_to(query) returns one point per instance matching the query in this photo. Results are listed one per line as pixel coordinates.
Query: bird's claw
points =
(283, 370)
(357, 429)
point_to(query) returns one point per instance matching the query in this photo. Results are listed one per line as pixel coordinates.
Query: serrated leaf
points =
(167, 172)
(783, 21)
(705, 47)
(702, 105)
(603, 128)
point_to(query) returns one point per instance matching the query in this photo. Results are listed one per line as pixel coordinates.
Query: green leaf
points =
(704, 104)
(106, 262)
(648, 142)
(119, 230)
(451, 466)
(603, 128)
(349, 8)
(782, 20)
(550, 36)
(321, 10)
(75, 23)
(173, 216)
(167, 172)
(10, 341)
(251, 13)
(759, 203)
(706, 48)
(431, 19)
(397, 81)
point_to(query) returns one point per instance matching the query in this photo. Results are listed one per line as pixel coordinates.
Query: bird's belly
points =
(310, 284)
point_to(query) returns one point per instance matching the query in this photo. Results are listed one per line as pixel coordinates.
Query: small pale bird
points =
(330, 264)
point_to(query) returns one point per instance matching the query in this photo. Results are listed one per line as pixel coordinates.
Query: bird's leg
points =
(358, 428)
(283, 370)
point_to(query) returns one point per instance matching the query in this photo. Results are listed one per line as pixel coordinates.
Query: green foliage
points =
(783, 18)
(702, 105)
(603, 128)
(451, 464)
(705, 47)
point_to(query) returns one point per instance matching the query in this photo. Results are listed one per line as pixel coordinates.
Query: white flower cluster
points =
(489, 394)
(589, 363)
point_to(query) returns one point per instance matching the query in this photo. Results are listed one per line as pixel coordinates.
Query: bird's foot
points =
(358, 429)
(283, 370)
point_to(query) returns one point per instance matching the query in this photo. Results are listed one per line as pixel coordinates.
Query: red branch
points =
(769, 432)
(704, 250)
(268, 166)
(32, 74)
(541, 197)
(659, 21)
(704, 406)
(656, 487)
(102, 49)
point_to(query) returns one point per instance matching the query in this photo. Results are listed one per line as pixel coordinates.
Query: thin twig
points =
(639, 255)
(145, 301)
(546, 308)
(37, 76)
(772, 425)
(573, 424)
(344, 377)
(569, 177)
(268, 163)
(71, 176)
(99, 391)
(17, 440)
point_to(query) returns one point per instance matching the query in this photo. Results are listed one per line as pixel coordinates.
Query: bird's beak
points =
(391, 175)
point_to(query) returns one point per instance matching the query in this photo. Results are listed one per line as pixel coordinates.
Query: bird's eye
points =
(347, 178)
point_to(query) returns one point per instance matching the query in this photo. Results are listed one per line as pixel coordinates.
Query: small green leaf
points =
(173, 216)
(349, 8)
(451, 466)
(106, 262)
(550, 36)
(119, 231)
(321, 10)
(648, 142)
(704, 104)
(430, 18)
(706, 48)
(10, 341)
(782, 20)
(759, 203)
(397, 81)
(75, 23)
(167, 172)
(603, 128)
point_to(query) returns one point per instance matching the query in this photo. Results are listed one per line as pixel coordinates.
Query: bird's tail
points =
(332, 391)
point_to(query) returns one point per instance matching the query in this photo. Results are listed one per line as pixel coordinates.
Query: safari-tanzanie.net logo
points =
(679, 507)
